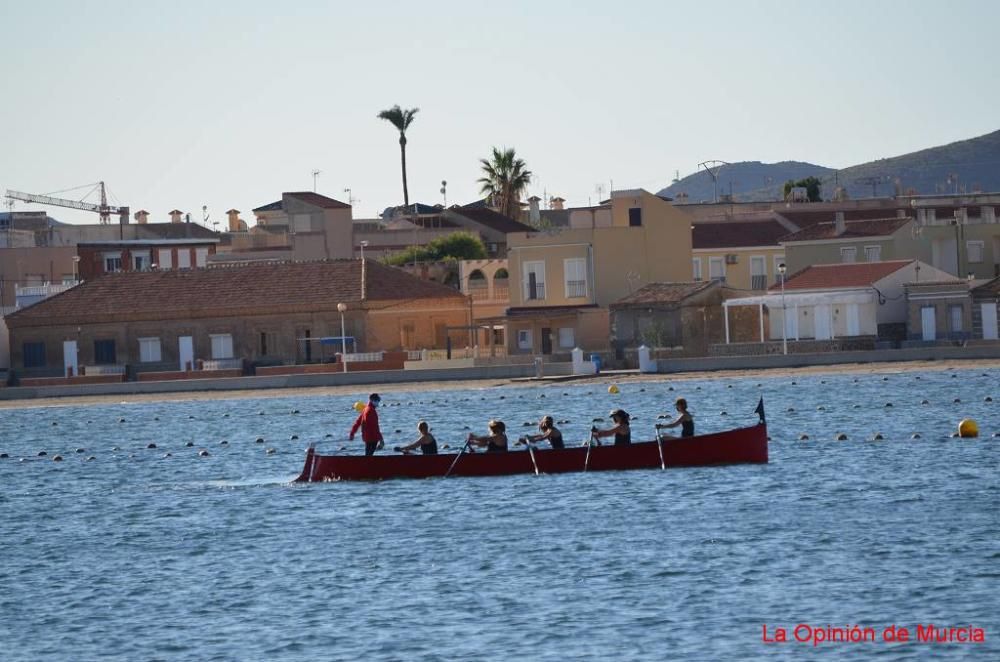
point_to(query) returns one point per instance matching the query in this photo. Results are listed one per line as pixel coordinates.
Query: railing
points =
(479, 292)
(91, 370)
(222, 364)
(537, 295)
(758, 282)
(576, 288)
(43, 290)
(360, 357)
(481, 352)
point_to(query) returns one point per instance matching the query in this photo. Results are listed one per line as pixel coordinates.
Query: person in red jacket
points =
(368, 422)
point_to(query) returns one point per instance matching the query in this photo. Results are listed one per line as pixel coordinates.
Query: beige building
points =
(742, 254)
(564, 279)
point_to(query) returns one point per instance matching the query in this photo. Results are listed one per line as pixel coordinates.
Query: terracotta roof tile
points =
(737, 234)
(216, 291)
(881, 227)
(662, 293)
(990, 287)
(830, 276)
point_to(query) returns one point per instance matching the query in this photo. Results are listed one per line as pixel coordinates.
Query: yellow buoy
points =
(359, 406)
(968, 428)
(613, 389)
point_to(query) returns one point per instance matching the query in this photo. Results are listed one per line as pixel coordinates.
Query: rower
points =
(621, 431)
(549, 433)
(426, 442)
(684, 419)
(495, 441)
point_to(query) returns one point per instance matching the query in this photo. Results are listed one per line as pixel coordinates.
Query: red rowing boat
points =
(740, 446)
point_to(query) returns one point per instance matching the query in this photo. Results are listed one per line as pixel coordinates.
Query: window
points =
(848, 254)
(200, 257)
(567, 338)
(149, 350)
(166, 258)
(34, 355)
(104, 352)
(140, 261)
(112, 262)
(974, 250)
(758, 272)
(635, 217)
(534, 281)
(183, 258)
(222, 345)
(268, 342)
(575, 271)
(716, 268)
(524, 339)
(873, 253)
(955, 315)
(696, 268)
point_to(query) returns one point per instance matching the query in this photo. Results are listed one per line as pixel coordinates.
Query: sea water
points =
(122, 551)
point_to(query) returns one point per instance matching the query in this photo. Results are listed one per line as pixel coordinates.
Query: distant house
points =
(985, 301)
(850, 242)
(105, 257)
(830, 301)
(685, 315)
(262, 312)
(742, 254)
(938, 311)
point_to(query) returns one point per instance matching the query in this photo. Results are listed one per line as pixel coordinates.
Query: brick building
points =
(98, 258)
(269, 313)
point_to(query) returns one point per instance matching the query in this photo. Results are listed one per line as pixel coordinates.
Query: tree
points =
(506, 177)
(401, 119)
(810, 184)
(454, 246)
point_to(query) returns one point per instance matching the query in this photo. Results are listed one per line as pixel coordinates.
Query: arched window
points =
(478, 285)
(500, 290)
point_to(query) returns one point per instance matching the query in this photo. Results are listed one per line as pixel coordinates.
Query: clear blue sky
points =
(227, 104)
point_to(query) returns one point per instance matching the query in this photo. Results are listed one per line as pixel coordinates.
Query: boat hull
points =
(740, 446)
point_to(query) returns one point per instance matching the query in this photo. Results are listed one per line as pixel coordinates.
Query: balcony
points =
(534, 291)
(758, 282)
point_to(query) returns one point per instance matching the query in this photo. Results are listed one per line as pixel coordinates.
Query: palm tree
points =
(401, 119)
(506, 178)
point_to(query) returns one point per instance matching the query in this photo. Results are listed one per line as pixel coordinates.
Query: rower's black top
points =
(431, 448)
(492, 447)
(623, 438)
(687, 427)
(555, 438)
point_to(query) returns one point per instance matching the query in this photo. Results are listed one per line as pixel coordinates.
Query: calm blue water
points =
(134, 555)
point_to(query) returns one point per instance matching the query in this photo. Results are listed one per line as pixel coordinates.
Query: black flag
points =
(760, 410)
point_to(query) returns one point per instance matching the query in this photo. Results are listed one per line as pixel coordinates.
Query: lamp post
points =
(341, 307)
(784, 311)
(76, 268)
(364, 242)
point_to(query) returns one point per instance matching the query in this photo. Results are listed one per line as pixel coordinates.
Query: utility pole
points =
(315, 174)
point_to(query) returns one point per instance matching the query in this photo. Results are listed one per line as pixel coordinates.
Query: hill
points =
(960, 167)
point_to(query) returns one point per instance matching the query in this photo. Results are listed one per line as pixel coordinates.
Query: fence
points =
(477, 352)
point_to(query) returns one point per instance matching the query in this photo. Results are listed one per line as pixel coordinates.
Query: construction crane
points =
(103, 208)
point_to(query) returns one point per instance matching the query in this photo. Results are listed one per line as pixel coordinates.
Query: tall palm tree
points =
(401, 119)
(506, 178)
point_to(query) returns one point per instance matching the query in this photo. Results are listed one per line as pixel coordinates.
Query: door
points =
(791, 323)
(546, 340)
(989, 321)
(853, 320)
(928, 328)
(821, 320)
(70, 358)
(185, 345)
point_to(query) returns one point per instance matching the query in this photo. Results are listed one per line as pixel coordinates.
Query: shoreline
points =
(450, 385)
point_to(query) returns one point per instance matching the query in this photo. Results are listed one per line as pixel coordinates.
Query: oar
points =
(590, 443)
(531, 451)
(455, 461)
(659, 447)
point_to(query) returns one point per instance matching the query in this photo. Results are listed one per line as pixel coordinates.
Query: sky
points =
(225, 104)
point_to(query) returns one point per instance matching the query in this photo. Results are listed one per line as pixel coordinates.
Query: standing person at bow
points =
(549, 433)
(368, 422)
(495, 441)
(621, 431)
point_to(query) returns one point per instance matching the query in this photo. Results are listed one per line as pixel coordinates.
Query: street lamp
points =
(784, 311)
(76, 265)
(364, 242)
(341, 308)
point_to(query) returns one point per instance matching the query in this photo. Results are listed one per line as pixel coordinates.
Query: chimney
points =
(142, 217)
(175, 216)
(534, 214)
(235, 224)
(556, 203)
(839, 224)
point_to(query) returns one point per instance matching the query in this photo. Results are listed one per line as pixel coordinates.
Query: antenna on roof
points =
(315, 175)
